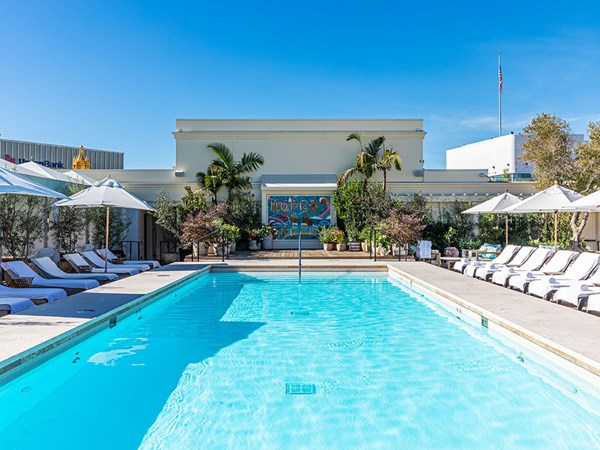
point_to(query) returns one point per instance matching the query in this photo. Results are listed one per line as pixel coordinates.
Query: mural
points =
(283, 212)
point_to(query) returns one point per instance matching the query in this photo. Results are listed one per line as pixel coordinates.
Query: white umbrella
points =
(44, 172)
(79, 178)
(589, 203)
(496, 205)
(105, 193)
(11, 183)
(553, 199)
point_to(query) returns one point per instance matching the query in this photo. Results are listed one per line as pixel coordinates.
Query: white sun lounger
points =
(11, 305)
(49, 294)
(79, 263)
(581, 268)
(556, 265)
(98, 261)
(504, 257)
(51, 270)
(579, 294)
(518, 260)
(152, 263)
(533, 263)
(18, 269)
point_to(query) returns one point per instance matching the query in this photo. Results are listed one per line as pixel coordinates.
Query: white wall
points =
(493, 155)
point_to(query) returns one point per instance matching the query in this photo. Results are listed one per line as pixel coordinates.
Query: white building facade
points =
(303, 158)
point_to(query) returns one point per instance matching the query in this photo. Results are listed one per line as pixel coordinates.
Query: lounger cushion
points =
(49, 294)
(15, 304)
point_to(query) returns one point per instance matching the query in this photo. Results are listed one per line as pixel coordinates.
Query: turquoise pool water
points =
(217, 364)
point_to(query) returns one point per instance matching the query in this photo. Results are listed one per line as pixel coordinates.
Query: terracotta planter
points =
(341, 247)
(328, 247)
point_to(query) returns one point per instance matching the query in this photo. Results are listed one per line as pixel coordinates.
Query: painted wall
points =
(492, 155)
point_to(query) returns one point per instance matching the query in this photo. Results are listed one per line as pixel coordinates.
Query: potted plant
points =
(353, 238)
(339, 238)
(270, 233)
(325, 236)
(228, 234)
(253, 237)
(383, 245)
(365, 237)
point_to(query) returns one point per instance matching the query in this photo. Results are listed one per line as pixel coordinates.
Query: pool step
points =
(300, 389)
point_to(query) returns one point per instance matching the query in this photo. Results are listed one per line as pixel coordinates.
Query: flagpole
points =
(499, 97)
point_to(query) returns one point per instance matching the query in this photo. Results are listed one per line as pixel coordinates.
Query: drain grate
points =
(83, 311)
(300, 389)
(299, 313)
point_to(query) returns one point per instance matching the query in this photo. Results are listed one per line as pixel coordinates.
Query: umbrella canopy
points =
(44, 172)
(553, 199)
(105, 193)
(496, 205)
(589, 203)
(79, 178)
(11, 183)
(549, 200)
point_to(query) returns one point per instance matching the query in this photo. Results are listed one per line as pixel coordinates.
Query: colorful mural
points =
(283, 212)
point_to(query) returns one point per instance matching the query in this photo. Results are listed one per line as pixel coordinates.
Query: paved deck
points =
(574, 330)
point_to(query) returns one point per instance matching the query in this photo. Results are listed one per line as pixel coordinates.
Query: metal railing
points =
(131, 248)
(299, 251)
(225, 242)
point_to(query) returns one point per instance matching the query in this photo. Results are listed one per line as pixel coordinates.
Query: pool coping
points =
(26, 360)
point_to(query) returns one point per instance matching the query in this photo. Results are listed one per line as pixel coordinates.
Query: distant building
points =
(500, 157)
(58, 156)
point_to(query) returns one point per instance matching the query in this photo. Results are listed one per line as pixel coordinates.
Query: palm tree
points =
(231, 173)
(210, 181)
(390, 160)
(366, 162)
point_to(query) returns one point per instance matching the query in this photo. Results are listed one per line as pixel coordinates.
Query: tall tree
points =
(366, 161)
(226, 171)
(550, 147)
(389, 160)
(210, 181)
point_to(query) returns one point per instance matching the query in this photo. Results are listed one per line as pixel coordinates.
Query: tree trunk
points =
(577, 229)
(384, 180)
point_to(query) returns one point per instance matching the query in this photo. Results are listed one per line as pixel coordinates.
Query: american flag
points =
(500, 77)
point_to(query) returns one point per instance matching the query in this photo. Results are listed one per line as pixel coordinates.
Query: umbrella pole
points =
(106, 248)
(555, 230)
(506, 231)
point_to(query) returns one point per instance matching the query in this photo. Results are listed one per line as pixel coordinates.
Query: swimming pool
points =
(256, 360)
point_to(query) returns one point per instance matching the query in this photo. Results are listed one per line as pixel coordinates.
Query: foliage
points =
(337, 236)
(202, 224)
(244, 211)
(360, 207)
(117, 229)
(402, 227)
(69, 223)
(171, 215)
(226, 233)
(22, 219)
(226, 171)
(325, 235)
(550, 147)
(451, 237)
(259, 234)
(548, 144)
(367, 162)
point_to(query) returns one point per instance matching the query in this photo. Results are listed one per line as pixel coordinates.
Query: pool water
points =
(257, 360)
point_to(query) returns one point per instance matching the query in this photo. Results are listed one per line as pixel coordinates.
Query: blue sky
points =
(115, 75)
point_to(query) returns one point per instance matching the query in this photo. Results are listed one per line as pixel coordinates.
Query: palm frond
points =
(223, 152)
(250, 162)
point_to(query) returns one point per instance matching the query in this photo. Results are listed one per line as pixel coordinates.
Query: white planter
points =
(267, 243)
(341, 247)
(252, 245)
(328, 247)
(199, 249)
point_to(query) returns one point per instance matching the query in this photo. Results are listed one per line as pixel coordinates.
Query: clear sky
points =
(116, 74)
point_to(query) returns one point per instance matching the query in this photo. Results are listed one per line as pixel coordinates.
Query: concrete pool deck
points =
(571, 334)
